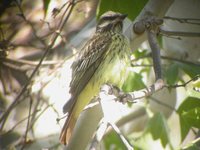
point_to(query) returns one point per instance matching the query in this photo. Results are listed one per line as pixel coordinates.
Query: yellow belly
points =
(113, 70)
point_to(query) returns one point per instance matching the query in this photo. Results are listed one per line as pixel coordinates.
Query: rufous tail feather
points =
(67, 129)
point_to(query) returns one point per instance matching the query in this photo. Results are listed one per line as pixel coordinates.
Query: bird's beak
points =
(123, 16)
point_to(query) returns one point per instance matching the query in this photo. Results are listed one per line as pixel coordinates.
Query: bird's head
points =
(111, 21)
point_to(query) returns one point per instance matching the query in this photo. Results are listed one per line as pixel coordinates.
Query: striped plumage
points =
(103, 59)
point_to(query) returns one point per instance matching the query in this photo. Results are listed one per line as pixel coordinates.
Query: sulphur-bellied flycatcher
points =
(103, 59)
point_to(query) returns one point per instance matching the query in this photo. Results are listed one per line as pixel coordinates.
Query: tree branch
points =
(152, 8)
(155, 53)
(178, 33)
(194, 21)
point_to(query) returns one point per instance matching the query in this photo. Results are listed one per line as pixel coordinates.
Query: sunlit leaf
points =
(112, 141)
(146, 142)
(171, 74)
(156, 130)
(133, 82)
(193, 117)
(158, 122)
(140, 53)
(185, 127)
(130, 7)
(189, 114)
(191, 70)
(188, 104)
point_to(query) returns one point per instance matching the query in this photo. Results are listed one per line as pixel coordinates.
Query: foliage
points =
(133, 82)
(189, 113)
(130, 7)
(112, 141)
(156, 129)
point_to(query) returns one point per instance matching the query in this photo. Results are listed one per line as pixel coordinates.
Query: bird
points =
(104, 59)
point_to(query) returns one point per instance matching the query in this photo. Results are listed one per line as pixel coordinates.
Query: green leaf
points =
(133, 82)
(156, 131)
(112, 141)
(140, 53)
(188, 104)
(158, 122)
(46, 6)
(171, 74)
(185, 127)
(193, 117)
(191, 70)
(189, 115)
(8, 138)
(130, 7)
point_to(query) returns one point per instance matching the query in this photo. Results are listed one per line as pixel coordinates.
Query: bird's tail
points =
(67, 129)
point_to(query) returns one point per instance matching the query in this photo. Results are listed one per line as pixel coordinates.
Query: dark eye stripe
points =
(106, 18)
(109, 17)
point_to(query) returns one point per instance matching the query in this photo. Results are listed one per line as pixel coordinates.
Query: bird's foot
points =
(118, 93)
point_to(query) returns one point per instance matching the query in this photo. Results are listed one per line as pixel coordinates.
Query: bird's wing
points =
(89, 58)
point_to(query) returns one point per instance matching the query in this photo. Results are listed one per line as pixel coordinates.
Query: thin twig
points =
(24, 65)
(35, 108)
(194, 21)
(168, 58)
(27, 125)
(2, 79)
(124, 140)
(28, 62)
(37, 117)
(62, 17)
(60, 118)
(48, 48)
(29, 23)
(179, 33)
(184, 84)
(21, 68)
(56, 11)
(181, 60)
(18, 123)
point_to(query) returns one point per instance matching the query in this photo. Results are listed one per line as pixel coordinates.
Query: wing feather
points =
(89, 59)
